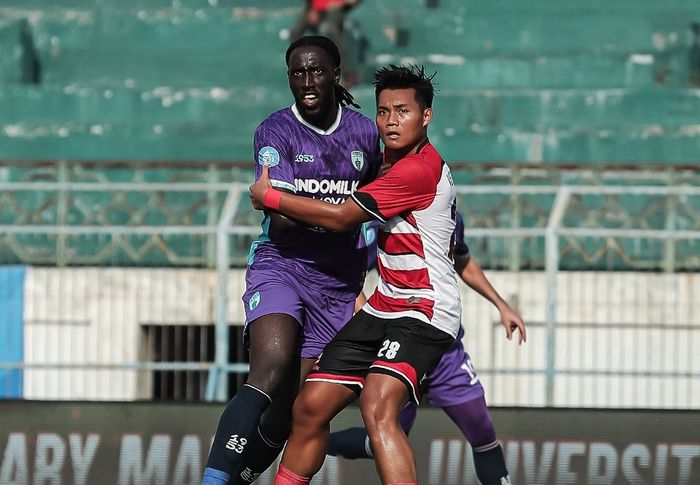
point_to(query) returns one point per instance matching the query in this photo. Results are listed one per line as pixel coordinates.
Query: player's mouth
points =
(309, 99)
(393, 135)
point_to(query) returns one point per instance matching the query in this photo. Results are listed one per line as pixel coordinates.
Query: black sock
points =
(490, 465)
(350, 443)
(237, 424)
(260, 454)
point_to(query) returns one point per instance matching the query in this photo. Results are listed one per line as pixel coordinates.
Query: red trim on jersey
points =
(401, 243)
(403, 368)
(402, 278)
(383, 303)
(336, 378)
(411, 219)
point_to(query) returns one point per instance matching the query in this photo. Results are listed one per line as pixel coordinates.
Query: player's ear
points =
(427, 116)
(336, 75)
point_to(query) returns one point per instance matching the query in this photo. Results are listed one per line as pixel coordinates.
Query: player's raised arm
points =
(336, 217)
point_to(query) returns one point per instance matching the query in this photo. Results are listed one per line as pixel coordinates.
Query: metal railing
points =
(555, 234)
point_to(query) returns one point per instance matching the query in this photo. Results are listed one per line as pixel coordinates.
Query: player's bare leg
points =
(381, 401)
(315, 407)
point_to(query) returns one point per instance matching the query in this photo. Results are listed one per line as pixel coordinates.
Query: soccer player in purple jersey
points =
(453, 385)
(301, 281)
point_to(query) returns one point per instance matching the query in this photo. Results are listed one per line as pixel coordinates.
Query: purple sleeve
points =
(270, 148)
(461, 248)
(368, 239)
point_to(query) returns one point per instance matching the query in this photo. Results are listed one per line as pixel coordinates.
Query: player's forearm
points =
(314, 212)
(474, 277)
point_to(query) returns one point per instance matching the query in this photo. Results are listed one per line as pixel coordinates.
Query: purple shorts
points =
(454, 380)
(320, 316)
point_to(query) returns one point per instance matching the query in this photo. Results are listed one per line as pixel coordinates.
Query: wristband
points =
(272, 199)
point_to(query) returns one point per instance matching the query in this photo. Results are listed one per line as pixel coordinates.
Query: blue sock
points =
(237, 424)
(349, 443)
(215, 477)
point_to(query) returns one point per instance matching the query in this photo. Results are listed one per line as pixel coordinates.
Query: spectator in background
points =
(327, 17)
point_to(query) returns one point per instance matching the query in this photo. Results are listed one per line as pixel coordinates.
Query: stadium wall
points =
(623, 339)
(159, 444)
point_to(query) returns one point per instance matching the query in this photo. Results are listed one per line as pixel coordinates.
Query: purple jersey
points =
(327, 165)
(461, 248)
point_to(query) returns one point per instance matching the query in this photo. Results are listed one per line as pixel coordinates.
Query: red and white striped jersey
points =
(415, 203)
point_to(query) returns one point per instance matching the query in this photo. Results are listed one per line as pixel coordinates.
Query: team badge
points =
(358, 159)
(268, 156)
(254, 301)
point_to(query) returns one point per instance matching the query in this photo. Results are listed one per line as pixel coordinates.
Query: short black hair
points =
(317, 41)
(342, 95)
(403, 77)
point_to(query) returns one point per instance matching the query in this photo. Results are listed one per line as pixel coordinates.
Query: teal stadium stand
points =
(538, 81)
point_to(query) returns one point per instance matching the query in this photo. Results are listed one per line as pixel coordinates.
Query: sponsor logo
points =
(268, 156)
(414, 299)
(315, 367)
(254, 301)
(248, 476)
(236, 443)
(325, 186)
(304, 159)
(358, 159)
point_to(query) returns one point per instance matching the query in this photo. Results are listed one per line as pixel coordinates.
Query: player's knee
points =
(270, 374)
(375, 411)
(308, 412)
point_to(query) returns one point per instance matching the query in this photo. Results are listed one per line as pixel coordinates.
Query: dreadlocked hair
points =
(342, 95)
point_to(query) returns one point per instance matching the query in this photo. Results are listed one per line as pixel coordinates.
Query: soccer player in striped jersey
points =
(413, 317)
(453, 385)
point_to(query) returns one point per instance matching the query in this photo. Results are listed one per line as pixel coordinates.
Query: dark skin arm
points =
(336, 217)
(280, 222)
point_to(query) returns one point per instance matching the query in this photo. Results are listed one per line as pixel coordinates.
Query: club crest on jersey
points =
(358, 159)
(268, 156)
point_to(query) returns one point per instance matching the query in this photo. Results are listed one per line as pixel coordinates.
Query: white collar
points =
(330, 130)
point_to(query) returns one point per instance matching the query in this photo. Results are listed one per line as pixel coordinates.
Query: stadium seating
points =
(189, 79)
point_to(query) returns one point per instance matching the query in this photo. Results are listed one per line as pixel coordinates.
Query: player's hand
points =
(512, 321)
(260, 188)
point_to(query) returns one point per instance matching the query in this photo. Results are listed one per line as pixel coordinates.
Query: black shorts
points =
(403, 347)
